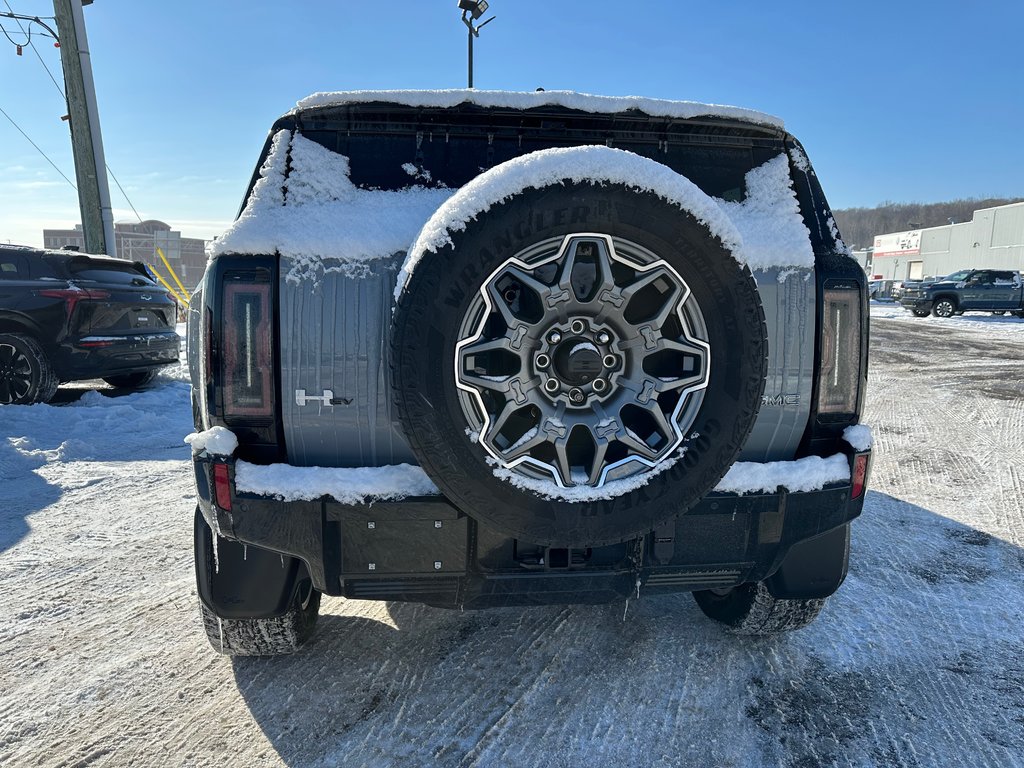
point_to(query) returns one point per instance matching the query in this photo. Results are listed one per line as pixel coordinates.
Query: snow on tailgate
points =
(321, 222)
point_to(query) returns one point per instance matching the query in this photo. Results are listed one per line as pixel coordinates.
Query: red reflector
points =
(860, 472)
(222, 486)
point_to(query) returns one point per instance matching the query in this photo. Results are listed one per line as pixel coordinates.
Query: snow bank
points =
(584, 102)
(96, 428)
(808, 474)
(357, 485)
(216, 441)
(859, 437)
(603, 165)
(318, 219)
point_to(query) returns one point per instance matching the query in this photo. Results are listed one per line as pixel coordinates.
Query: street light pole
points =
(471, 11)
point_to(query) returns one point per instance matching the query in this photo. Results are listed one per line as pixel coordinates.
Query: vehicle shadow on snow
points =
(24, 492)
(913, 662)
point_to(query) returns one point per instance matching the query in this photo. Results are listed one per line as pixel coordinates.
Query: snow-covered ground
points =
(915, 662)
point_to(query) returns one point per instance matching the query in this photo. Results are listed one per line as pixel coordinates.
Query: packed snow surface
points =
(216, 441)
(914, 662)
(584, 102)
(356, 485)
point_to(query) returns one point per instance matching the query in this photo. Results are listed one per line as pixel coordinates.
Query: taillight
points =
(247, 330)
(222, 486)
(859, 475)
(72, 296)
(841, 349)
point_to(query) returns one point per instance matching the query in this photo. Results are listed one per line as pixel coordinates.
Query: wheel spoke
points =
(597, 467)
(542, 290)
(562, 459)
(501, 305)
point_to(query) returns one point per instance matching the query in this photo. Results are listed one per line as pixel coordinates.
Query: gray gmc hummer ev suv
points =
(476, 349)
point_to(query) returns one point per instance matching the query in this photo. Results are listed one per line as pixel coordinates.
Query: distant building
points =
(993, 239)
(138, 242)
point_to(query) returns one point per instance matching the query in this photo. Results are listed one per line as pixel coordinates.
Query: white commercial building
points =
(992, 239)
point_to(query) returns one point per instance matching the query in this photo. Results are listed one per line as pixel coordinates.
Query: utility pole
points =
(86, 140)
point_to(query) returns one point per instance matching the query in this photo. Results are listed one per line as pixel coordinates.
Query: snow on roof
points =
(584, 102)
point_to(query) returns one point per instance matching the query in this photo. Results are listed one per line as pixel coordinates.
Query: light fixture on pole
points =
(471, 11)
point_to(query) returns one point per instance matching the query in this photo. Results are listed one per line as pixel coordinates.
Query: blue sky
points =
(893, 101)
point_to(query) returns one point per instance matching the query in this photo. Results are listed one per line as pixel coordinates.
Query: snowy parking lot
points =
(917, 661)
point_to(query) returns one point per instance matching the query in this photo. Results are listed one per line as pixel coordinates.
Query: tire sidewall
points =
(37, 364)
(445, 283)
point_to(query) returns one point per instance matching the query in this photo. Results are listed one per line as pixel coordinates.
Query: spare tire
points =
(578, 365)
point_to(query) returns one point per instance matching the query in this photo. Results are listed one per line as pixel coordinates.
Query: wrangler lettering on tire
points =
(583, 358)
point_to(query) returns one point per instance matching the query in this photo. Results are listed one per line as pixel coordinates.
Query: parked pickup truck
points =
(969, 290)
(477, 349)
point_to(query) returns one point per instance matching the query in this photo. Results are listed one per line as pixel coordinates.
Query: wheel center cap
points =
(577, 361)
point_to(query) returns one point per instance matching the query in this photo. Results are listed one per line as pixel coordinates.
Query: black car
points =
(66, 316)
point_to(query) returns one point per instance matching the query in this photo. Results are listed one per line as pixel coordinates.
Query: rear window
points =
(120, 274)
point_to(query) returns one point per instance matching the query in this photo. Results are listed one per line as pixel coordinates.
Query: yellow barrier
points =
(167, 285)
(184, 293)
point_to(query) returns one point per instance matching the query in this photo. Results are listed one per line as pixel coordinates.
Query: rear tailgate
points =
(132, 304)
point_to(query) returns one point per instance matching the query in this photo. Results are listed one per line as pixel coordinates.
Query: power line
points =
(64, 96)
(58, 170)
(35, 50)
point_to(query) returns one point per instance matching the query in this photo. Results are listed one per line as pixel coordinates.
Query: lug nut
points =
(600, 385)
(554, 337)
(542, 361)
(603, 337)
(578, 326)
(551, 385)
(576, 395)
(610, 361)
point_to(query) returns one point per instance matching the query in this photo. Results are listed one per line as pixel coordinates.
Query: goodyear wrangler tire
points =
(579, 365)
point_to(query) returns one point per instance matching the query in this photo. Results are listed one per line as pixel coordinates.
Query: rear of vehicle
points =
(626, 355)
(67, 317)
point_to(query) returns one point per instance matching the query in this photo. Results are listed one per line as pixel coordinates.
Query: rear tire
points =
(131, 380)
(750, 609)
(26, 376)
(920, 312)
(276, 636)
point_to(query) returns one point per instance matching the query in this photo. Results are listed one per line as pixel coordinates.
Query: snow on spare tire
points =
(578, 355)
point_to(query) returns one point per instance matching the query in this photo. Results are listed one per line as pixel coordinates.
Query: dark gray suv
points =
(476, 349)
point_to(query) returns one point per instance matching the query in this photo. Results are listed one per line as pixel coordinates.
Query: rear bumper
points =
(423, 549)
(92, 357)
